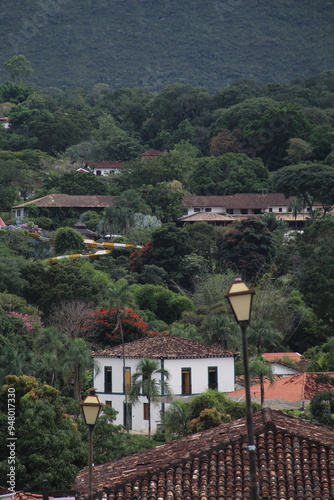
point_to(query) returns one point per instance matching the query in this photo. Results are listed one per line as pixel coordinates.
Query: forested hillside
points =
(150, 43)
(245, 138)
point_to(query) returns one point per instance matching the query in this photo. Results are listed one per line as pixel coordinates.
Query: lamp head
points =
(240, 297)
(91, 407)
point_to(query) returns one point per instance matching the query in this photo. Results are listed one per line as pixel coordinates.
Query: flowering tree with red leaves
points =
(140, 257)
(109, 334)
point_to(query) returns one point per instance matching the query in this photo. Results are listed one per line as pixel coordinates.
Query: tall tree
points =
(248, 248)
(118, 297)
(310, 182)
(145, 383)
(260, 367)
(19, 68)
(295, 206)
(263, 335)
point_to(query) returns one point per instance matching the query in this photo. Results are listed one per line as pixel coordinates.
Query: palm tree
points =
(145, 383)
(118, 297)
(49, 346)
(263, 335)
(295, 206)
(176, 420)
(76, 361)
(261, 368)
(221, 331)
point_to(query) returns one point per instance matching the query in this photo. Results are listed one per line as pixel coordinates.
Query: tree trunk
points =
(76, 384)
(262, 389)
(149, 418)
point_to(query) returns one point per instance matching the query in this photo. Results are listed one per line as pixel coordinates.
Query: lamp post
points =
(91, 407)
(240, 297)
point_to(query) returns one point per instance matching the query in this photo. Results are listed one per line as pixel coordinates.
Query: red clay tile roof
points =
(19, 495)
(241, 200)
(23, 495)
(207, 217)
(152, 152)
(295, 461)
(68, 200)
(272, 356)
(257, 201)
(299, 387)
(167, 347)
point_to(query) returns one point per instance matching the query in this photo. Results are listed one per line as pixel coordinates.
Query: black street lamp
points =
(91, 407)
(240, 297)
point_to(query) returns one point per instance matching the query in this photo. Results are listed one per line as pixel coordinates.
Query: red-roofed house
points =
(152, 153)
(240, 206)
(57, 200)
(280, 362)
(4, 122)
(295, 391)
(193, 368)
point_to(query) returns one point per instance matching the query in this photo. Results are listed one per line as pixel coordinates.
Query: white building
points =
(240, 204)
(103, 167)
(193, 368)
(280, 362)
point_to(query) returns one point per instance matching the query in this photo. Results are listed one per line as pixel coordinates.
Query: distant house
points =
(294, 457)
(152, 153)
(193, 368)
(56, 201)
(103, 167)
(294, 391)
(238, 204)
(223, 210)
(4, 122)
(280, 362)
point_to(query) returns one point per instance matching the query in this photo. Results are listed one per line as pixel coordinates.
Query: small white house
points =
(280, 362)
(193, 368)
(103, 167)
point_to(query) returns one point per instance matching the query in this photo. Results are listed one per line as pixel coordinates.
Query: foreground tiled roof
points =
(299, 387)
(167, 347)
(295, 461)
(68, 200)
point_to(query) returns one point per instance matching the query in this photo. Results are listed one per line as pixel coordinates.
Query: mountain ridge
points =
(145, 43)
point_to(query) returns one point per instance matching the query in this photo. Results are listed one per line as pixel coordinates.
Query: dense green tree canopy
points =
(50, 284)
(48, 444)
(310, 182)
(228, 174)
(248, 248)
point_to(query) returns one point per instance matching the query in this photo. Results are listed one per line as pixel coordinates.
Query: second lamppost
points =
(91, 407)
(240, 297)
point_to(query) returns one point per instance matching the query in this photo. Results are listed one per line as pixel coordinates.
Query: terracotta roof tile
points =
(152, 152)
(272, 356)
(165, 346)
(68, 200)
(295, 460)
(241, 200)
(208, 217)
(299, 387)
(256, 201)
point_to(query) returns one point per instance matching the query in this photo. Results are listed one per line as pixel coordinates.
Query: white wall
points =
(279, 369)
(199, 376)
(202, 209)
